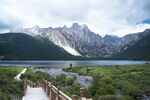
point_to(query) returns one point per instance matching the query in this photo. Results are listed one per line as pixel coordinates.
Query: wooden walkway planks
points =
(35, 94)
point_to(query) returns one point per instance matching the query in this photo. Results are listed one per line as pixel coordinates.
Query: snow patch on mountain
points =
(62, 43)
(71, 50)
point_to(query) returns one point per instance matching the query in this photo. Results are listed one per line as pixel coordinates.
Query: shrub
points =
(109, 97)
(69, 81)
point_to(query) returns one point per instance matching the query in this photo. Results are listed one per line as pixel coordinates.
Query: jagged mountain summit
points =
(78, 40)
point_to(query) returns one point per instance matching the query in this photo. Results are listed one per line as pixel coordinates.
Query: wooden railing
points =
(52, 92)
(31, 84)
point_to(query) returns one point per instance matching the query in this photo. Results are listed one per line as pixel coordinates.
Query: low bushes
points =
(132, 80)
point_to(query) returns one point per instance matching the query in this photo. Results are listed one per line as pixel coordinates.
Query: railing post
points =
(38, 84)
(58, 89)
(48, 88)
(30, 84)
(45, 85)
(51, 91)
(43, 80)
(74, 97)
(24, 86)
(82, 93)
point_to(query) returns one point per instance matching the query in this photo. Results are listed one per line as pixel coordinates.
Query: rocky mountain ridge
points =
(78, 40)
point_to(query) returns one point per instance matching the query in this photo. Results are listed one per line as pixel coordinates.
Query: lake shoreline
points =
(66, 63)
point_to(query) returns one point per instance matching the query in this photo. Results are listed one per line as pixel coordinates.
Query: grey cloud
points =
(4, 26)
(102, 16)
(9, 26)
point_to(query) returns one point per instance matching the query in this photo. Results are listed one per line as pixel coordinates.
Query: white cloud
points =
(131, 29)
(116, 17)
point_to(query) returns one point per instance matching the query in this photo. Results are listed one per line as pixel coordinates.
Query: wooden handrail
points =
(29, 83)
(51, 91)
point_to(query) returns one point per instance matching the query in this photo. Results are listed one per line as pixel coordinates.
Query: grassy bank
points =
(10, 89)
(125, 82)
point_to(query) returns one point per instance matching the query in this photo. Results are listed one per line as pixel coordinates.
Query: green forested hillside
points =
(140, 50)
(19, 46)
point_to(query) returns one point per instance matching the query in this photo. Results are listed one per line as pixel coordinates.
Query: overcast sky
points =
(115, 17)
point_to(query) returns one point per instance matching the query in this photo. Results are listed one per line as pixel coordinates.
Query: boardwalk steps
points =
(46, 90)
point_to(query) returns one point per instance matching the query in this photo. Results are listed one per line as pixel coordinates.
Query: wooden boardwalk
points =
(46, 91)
(18, 76)
(35, 94)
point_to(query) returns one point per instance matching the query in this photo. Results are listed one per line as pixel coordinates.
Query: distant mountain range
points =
(138, 50)
(78, 40)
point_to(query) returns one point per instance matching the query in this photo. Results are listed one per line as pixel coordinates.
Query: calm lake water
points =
(66, 63)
